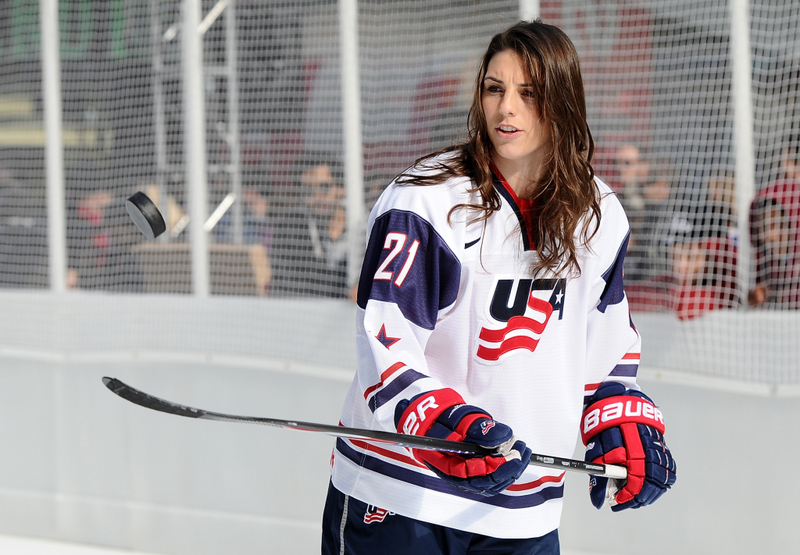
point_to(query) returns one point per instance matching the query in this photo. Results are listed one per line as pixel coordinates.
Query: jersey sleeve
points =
(410, 277)
(613, 343)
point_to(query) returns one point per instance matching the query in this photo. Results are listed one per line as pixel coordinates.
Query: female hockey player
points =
(491, 300)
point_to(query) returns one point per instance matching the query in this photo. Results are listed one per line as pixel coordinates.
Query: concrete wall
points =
(80, 464)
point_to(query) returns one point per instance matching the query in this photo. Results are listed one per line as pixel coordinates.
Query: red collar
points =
(524, 208)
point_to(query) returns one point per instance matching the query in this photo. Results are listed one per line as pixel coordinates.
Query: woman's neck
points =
(520, 176)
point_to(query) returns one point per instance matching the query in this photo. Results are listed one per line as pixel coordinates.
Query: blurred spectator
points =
(691, 252)
(710, 213)
(632, 172)
(309, 247)
(775, 234)
(790, 160)
(99, 242)
(720, 212)
(256, 220)
(774, 224)
(23, 234)
(704, 275)
(645, 190)
(652, 226)
(702, 243)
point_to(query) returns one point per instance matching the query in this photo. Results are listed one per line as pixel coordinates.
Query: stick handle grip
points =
(615, 471)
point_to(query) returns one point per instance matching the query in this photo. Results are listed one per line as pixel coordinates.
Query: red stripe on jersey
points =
(385, 376)
(411, 461)
(399, 457)
(536, 483)
(386, 453)
(515, 323)
(591, 387)
(516, 342)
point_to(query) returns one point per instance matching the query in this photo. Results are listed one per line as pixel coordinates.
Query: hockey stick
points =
(416, 442)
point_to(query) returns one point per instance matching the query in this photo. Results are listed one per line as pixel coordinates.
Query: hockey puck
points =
(145, 215)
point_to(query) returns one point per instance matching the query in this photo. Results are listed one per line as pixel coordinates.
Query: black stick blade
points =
(145, 215)
(148, 401)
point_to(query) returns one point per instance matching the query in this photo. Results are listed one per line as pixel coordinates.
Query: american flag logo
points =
(520, 331)
(375, 514)
(486, 425)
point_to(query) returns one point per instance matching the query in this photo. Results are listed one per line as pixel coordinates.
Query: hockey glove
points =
(621, 426)
(443, 414)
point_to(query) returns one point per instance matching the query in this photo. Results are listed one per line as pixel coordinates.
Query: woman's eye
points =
(528, 93)
(493, 89)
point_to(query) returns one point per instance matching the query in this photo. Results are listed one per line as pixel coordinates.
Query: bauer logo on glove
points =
(622, 426)
(613, 412)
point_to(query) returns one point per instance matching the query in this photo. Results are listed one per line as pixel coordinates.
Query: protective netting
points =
(23, 241)
(661, 97)
(659, 88)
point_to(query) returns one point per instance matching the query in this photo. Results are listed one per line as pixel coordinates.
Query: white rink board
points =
(88, 468)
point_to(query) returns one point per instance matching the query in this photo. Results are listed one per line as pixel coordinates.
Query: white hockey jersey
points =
(452, 304)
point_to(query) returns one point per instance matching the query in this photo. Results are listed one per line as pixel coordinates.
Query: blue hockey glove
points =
(443, 414)
(622, 426)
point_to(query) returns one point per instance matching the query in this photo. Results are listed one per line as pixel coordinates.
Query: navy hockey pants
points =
(369, 530)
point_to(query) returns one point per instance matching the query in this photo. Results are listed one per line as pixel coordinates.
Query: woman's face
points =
(520, 138)
(325, 194)
(689, 262)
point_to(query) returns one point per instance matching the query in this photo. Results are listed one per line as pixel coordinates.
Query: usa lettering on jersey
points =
(523, 318)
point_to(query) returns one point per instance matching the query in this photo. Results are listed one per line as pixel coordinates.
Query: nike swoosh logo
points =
(472, 243)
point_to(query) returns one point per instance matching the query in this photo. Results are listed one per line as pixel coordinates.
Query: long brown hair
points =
(565, 192)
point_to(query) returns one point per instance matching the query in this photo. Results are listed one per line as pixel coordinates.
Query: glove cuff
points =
(424, 409)
(621, 409)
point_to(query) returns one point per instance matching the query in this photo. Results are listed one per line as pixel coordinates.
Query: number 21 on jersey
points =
(395, 243)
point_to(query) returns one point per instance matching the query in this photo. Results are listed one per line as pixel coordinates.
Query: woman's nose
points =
(507, 105)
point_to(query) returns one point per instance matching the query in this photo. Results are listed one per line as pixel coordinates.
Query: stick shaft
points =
(416, 442)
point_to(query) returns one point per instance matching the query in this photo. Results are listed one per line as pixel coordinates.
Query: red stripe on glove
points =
(422, 413)
(460, 467)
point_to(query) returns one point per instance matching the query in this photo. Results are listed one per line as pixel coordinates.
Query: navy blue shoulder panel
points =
(614, 290)
(408, 263)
